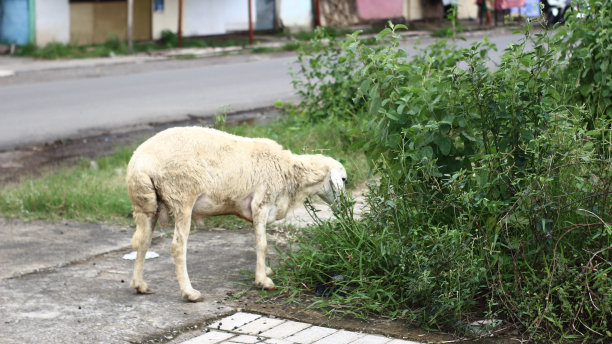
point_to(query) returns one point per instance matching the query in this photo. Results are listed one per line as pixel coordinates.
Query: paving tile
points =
(285, 329)
(311, 334)
(243, 338)
(247, 328)
(259, 326)
(277, 341)
(233, 322)
(340, 337)
(372, 339)
(211, 337)
(401, 341)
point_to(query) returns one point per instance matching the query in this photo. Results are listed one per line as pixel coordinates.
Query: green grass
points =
(81, 193)
(118, 47)
(87, 194)
(169, 40)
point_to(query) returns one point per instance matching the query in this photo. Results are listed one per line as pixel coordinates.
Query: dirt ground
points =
(37, 159)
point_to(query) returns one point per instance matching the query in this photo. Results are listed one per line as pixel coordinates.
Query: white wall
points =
(467, 9)
(296, 14)
(203, 17)
(166, 19)
(237, 15)
(52, 21)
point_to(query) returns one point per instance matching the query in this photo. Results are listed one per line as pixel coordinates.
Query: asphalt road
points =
(40, 105)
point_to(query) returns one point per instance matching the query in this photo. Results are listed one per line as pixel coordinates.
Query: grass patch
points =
(168, 40)
(186, 56)
(80, 193)
(115, 46)
(87, 194)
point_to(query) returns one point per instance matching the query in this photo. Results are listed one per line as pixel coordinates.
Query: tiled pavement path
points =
(253, 328)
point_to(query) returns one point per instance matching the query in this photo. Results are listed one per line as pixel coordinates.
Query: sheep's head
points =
(334, 182)
(322, 176)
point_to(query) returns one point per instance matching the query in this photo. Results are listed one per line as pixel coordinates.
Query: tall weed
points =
(494, 190)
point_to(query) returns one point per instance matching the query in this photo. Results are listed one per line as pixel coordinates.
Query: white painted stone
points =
(285, 329)
(211, 337)
(311, 334)
(259, 326)
(340, 337)
(233, 322)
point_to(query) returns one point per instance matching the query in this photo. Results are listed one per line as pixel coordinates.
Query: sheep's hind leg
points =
(141, 242)
(179, 252)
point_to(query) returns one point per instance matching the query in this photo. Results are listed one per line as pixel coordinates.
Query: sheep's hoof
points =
(145, 291)
(269, 271)
(141, 288)
(193, 296)
(267, 284)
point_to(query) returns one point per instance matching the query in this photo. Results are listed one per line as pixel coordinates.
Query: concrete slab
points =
(34, 246)
(90, 301)
(259, 326)
(234, 321)
(340, 337)
(285, 329)
(311, 334)
(210, 338)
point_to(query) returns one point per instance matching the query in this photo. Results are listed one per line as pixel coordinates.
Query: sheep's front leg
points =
(261, 270)
(179, 252)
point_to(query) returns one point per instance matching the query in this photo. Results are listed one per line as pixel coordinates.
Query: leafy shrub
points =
(586, 45)
(324, 81)
(494, 190)
(169, 39)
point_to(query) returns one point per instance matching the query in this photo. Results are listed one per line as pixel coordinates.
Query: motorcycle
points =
(554, 11)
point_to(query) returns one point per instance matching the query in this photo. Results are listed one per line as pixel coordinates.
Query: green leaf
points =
(444, 143)
(471, 138)
(383, 33)
(375, 105)
(365, 86)
(426, 152)
(391, 116)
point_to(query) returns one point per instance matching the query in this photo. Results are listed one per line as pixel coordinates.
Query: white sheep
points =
(195, 172)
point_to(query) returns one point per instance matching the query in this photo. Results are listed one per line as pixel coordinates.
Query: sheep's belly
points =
(205, 206)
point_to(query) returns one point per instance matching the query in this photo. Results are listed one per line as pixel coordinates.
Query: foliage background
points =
(493, 190)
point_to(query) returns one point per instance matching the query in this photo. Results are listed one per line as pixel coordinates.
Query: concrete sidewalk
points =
(69, 282)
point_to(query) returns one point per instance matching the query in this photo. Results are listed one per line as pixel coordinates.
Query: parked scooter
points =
(554, 11)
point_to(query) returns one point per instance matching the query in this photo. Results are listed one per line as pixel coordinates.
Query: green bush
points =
(324, 79)
(169, 39)
(494, 191)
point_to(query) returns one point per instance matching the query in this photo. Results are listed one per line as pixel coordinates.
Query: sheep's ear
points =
(314, 169)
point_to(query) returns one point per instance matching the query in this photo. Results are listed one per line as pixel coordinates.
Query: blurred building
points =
(95, 21)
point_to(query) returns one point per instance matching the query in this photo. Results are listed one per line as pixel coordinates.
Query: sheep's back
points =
(206, 160)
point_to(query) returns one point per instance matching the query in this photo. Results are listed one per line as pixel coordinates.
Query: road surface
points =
(44, 105)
